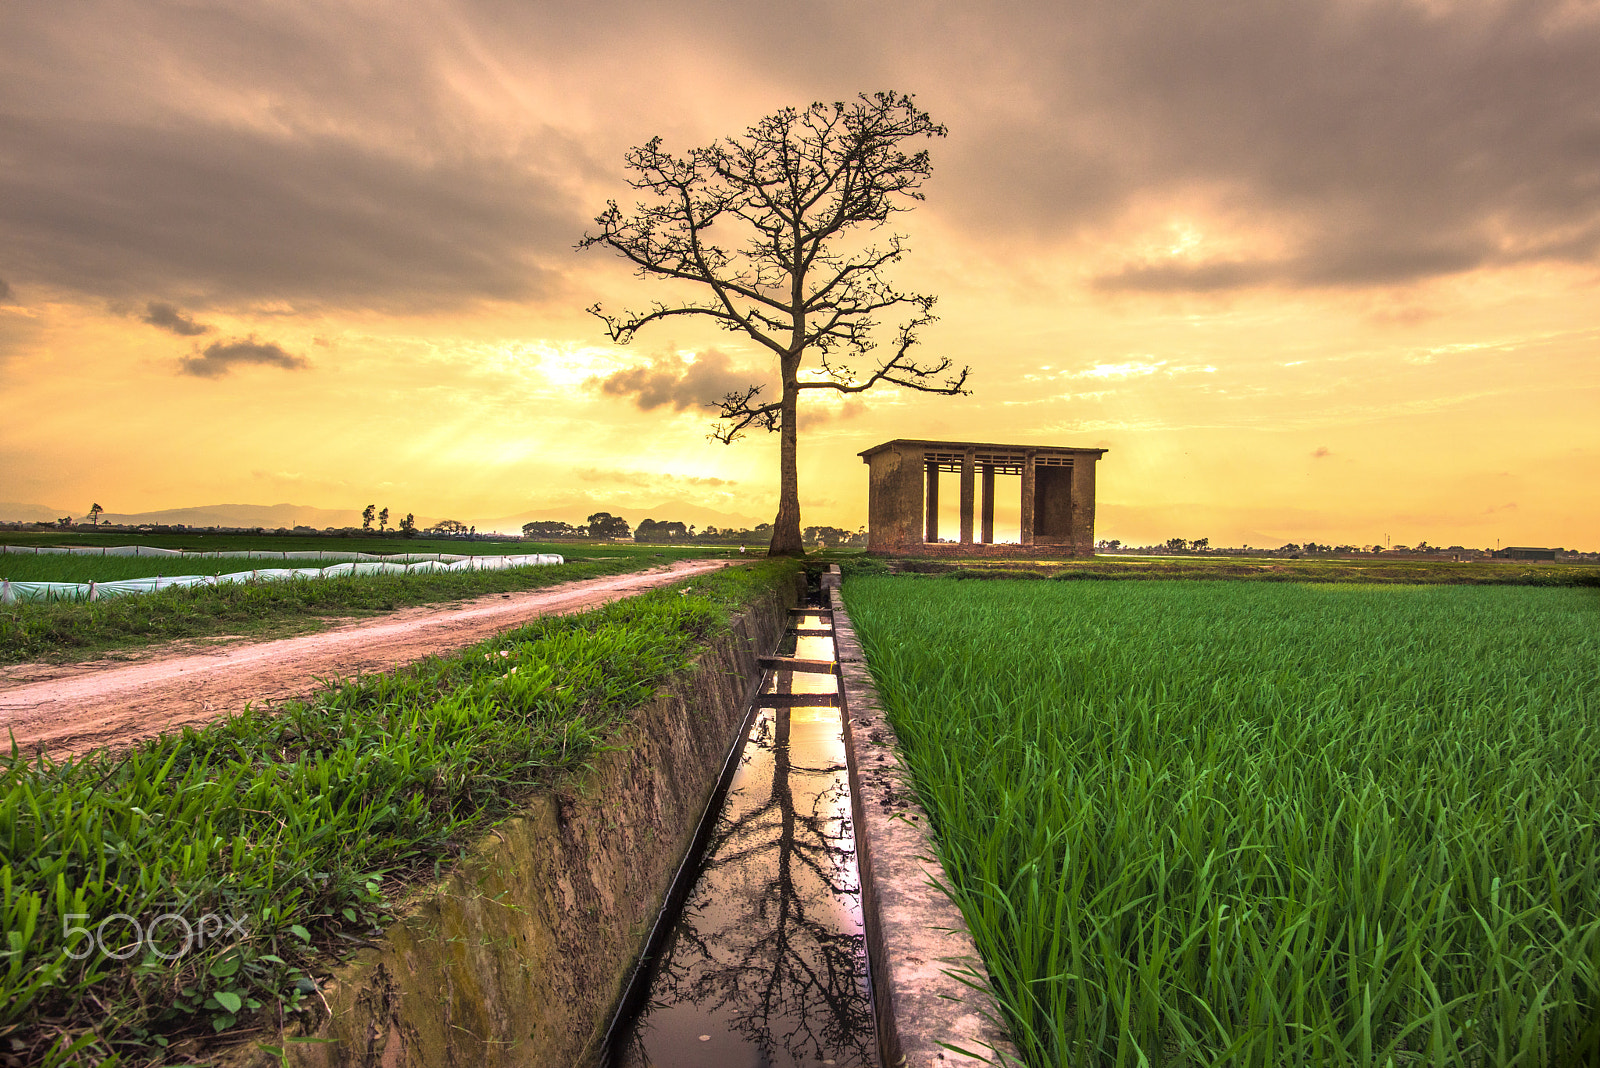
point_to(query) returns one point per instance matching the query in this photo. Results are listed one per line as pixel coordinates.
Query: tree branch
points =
(735, 413)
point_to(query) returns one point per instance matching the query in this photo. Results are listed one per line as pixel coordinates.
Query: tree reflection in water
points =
(768, 959)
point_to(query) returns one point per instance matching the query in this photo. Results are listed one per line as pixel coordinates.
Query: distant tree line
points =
(604, 525)
(1292, 549)
(601, 525)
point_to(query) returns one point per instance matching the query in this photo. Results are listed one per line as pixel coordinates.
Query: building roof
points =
(986, 445)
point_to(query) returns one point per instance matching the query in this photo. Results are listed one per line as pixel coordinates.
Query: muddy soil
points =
(70, 709)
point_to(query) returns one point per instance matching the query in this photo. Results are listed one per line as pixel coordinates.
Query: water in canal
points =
(766, 964)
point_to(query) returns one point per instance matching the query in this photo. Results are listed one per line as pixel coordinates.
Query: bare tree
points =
(764, 222)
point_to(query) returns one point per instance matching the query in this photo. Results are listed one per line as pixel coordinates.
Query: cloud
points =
(221, 357)
(1134, 367)
(1380, 261)
(673, 381)
(1340, 144)
(5, 290)
(169, 318)
(813, 415)
(1321, 451)
(1126, 369)
(18, 334)
(647, 479)
(241, 216)
(240, 156)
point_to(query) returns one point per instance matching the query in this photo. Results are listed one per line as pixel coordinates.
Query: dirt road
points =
(74, 708)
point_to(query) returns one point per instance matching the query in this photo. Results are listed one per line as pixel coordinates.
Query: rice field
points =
(1208, 823)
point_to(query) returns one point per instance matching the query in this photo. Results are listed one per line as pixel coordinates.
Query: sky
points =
(1321, 271)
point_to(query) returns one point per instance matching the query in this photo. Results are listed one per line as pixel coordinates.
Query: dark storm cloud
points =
(1387, 142)
(238, 215)
(170, 319)
(1374, 144)
(672, 381)
(313, 154)
(5, 290)
(330, 154)
(221, 357)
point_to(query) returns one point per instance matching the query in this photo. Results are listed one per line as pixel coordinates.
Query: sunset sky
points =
(1320, 270)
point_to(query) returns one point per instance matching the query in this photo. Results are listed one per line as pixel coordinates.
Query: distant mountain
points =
(245, 515)
(270, 516)
(12, 512)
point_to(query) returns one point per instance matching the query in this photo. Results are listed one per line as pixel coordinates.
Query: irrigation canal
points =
(759, 957)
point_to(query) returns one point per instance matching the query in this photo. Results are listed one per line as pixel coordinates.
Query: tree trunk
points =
(786, 527)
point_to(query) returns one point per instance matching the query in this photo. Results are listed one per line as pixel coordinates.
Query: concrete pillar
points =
(988, 504)
(1027, 498)
(969, 472)
(1083, 503)
(931, 497)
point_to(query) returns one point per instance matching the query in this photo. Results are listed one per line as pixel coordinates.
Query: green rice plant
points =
(1209, 823)
(295, 830)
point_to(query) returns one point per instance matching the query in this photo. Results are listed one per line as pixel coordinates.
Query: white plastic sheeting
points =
(358, 564)
(237, 554)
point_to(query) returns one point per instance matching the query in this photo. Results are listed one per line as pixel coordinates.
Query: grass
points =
(79, 629)
(1262, 569)
(1209, 823)
(74, 567)
(65, 568)
(303, 825)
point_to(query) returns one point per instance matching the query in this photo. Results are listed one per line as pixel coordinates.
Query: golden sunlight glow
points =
(1296, 297)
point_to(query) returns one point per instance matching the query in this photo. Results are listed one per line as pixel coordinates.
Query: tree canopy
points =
(606, 525)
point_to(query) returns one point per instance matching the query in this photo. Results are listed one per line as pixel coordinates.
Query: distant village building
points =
(1523, 552)
(1056, 497)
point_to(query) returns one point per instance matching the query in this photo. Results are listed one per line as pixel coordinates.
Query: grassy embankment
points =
(1248, 824)
(303, 825)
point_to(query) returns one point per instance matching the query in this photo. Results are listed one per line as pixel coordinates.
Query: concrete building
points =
(1526, 552)
(1056, 497)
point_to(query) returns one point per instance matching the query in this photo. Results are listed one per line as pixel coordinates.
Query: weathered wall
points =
(521, 954)
(1083, 505)
(894, 502)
